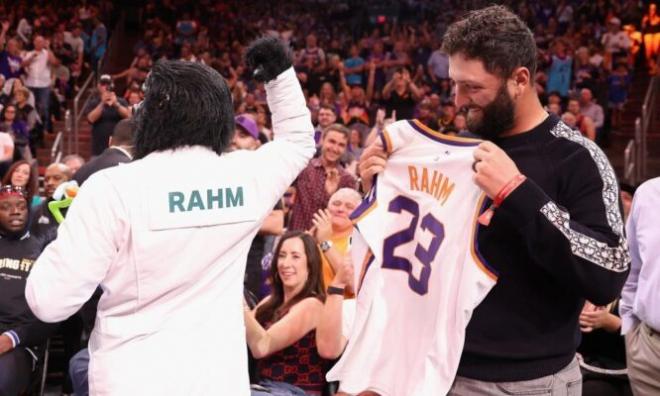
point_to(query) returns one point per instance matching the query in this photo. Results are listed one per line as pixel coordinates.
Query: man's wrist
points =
(13, 337)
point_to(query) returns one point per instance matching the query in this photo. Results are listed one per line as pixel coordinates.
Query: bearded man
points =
(555, 236)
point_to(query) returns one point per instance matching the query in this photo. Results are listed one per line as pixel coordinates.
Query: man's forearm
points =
(124, 112)
(95, 114)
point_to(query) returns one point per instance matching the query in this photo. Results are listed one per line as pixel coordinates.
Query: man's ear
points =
(522, 80)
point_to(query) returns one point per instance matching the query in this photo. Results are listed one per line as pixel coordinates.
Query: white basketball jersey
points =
(422, 273)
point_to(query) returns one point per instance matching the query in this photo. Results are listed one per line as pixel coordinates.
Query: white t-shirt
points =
(6, 147)
(76, 43)
(616, 42)
(38, 72)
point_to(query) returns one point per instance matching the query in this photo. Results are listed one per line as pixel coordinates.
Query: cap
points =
(615, 21)
(247, 123)
(105, 79)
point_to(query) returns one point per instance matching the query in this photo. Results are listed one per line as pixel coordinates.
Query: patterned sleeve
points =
(579, 236)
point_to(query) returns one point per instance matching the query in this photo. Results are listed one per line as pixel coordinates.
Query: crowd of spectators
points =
(45, 49)
(357, 59)
(361, 65)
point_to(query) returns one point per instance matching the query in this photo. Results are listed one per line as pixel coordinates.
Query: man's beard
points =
(497, 117)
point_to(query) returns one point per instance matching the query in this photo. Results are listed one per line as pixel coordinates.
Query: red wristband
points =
(508, 189)
(485, 217)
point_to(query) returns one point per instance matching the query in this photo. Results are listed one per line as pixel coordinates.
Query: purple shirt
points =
(10, 65)
(640, 299)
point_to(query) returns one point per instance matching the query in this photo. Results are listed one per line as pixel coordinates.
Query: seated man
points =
(332, 230)
(21, 332)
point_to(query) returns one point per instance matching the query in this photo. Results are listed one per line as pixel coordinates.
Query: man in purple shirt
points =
(640, 299)
(10, 60)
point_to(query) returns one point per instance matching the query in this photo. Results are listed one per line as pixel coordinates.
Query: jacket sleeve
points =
(293, 144)
(66, 274)
(580, 241)
(31, 334)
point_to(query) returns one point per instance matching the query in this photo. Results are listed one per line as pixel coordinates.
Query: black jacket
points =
(109, 158)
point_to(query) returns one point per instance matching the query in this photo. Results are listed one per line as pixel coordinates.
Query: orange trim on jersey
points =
(388, 141)
(474, 245)
(371, 207)
(443, 136)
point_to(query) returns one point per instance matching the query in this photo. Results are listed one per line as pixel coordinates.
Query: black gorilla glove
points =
(267, 57)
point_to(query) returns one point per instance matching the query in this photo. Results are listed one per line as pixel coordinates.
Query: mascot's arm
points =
(282, 160)
(68, 271)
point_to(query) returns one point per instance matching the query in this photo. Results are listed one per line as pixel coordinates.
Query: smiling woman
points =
(281, 329)
(21, 174)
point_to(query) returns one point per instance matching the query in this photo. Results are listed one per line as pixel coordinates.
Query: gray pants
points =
(566, 382)
(643, 358)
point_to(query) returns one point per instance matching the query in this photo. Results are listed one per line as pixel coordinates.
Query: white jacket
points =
(167, 238)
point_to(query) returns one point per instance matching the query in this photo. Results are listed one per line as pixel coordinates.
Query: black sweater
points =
(556, 240)
(16, 259)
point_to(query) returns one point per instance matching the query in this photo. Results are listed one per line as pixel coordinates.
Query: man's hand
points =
(5, 26)
(372, 162)
(493, 168)
(332, 180)
(5, 344)
(380, 118)
(113, 99)
(106, 97)
(322, 222)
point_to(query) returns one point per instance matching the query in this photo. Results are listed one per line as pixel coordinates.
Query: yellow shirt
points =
(341, 244)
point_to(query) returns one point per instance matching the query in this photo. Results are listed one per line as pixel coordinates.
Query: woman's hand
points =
(344, 276)
(593, 318)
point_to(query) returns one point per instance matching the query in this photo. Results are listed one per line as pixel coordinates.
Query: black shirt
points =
(103, 127)
(403, 104)
(17, 256)
(556, 240)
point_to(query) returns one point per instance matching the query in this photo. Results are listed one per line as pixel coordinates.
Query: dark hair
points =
(4, 110)
(330, 107)
(629, 188)
(185, 104)
(122, 135)
(495, 36)
(273, 309)
(32, 183)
